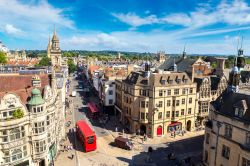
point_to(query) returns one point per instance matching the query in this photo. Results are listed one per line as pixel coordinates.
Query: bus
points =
(93, 112)
(86, 135)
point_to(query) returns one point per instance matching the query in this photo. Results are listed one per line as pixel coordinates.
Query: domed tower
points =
(234, 75)
(36, 102)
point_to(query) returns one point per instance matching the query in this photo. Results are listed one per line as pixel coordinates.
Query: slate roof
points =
(198, 82)
(182, 64)
(226, 103)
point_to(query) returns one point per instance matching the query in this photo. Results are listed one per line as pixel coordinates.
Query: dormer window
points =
(163, 82)
(238, 112)
(178, 81)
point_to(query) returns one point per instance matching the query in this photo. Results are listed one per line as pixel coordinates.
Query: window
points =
(169, 92)
(172, 114)
(203, 107)
(170, 82)
(146, 115)
(239, 112)
(191, 90)
(160, 115)
(177, 102)
(38, 127)
(160, 92)
(143, 104)
(15, 154)
(142, 115)
(13, 134)
(146, 104)
(176, 91)
(4, 114)
(160, 104)
(144, 92)
(182, 112)
(248, 138)
(91, 139)
(225, 151)
(40, 146)
(184, 91)
(228, 131)
(110, 92)
(245, 162)
(189, 111)
(110, 101)
(168, 114)
(176, 113)
(190, 100)
(168, 103)
(178, 81)
(183, 101)
(207, 138)
(49, 137)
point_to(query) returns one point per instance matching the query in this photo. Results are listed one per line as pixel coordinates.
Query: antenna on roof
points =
(241, 42)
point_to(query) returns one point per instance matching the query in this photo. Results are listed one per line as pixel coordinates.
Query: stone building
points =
(227, 134)
(156, 103)
(32, 116)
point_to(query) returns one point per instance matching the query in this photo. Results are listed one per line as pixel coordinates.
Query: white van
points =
(73, 94)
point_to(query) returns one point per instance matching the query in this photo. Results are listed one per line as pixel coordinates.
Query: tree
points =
(72, 66)
(3, 58)
(45, 61)
(18, 113)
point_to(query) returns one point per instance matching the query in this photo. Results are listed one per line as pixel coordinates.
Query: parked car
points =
(123, 143)
(73, 94)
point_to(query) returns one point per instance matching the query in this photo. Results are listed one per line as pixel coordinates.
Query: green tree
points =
(71, 65)
(18, 113)
(45, 61)
(214, 65)
(3, 58)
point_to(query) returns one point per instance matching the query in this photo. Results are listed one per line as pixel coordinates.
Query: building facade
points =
(32, 116)
(156, 103)
(227, 134)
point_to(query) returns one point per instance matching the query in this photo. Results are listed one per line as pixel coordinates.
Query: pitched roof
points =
(182, 64)
(226, 103)
(21, 85)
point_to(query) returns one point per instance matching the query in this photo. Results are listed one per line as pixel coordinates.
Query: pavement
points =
(108, 155)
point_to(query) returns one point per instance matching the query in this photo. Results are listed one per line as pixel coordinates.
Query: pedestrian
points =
(182, 133)
(116, 129)
(174, 134)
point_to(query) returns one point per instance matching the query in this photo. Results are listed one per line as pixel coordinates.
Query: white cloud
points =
(10, 29)
(235, 12)
(135, 20)
(34, 18)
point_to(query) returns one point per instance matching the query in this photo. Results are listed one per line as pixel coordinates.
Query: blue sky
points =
(127, 25)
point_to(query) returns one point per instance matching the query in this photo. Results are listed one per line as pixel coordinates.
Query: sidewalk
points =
(168, 138)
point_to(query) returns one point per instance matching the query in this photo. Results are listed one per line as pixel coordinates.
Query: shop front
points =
(52, 154)
(175, 127)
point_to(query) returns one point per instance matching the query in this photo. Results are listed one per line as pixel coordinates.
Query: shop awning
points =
(175, 124)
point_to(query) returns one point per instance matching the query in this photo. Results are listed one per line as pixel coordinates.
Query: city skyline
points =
(206, 28)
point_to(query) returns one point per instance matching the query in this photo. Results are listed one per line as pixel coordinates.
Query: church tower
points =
(55, 51)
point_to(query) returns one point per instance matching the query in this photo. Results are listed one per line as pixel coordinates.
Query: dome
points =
(36, 98)
(35, 91)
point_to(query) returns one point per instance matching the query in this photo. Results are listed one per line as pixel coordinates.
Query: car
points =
(73, 94)
(123, 143)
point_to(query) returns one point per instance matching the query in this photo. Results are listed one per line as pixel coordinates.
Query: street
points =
(107, 153)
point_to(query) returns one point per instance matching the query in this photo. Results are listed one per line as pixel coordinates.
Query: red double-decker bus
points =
(93, 112)
(86, 135)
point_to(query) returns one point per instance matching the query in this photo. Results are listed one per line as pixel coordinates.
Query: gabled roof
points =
(225, 104)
